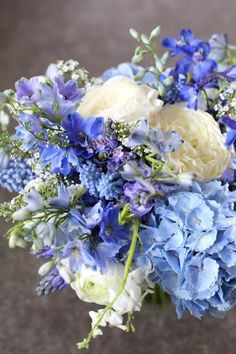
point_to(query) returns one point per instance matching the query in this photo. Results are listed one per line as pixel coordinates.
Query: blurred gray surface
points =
(95, 32)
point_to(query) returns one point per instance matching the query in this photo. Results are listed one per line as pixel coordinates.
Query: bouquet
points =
(125, 183)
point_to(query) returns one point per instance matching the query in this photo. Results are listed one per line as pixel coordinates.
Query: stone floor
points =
(32, 34)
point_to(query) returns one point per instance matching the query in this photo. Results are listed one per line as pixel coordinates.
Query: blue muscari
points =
(103, 185)
(189, 243)
(16, 175)
(89, 176)
(110, 186)
(51, 283)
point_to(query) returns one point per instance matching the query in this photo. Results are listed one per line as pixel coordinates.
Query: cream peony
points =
(120, 98)
(203, 151)
(93, 286)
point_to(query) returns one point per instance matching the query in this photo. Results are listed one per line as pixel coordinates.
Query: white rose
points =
(120, 98)
(93, 286)
(203, 151)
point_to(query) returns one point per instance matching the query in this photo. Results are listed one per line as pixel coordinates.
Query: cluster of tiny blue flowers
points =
(15, 176)
(110, 186)
(89, 176)
(102, 185)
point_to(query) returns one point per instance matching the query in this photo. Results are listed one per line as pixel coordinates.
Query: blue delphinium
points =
(60, 159)
(112, 232)
(188, 243)
(154, 139)
(55, 97)
(79, 130)
(16, 174)
(193, 70)
(195, 54)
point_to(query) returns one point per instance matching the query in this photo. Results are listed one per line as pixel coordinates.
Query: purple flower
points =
(140, 197)
(26, 89)
(46, 253)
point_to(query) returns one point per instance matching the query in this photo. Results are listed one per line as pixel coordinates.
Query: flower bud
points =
(45, 268)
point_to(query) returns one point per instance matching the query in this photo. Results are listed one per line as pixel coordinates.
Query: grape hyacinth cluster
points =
(15, 176)
(51, 283)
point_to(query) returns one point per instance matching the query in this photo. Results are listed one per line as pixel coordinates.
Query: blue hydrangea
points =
(16, 175)
(189, 244)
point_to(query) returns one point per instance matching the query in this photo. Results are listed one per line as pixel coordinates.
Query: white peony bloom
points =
(120, 98)
(203, 152)
(92, 286)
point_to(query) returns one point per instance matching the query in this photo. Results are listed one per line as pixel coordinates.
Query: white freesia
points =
(93, 286)
(110, 318)
(203, 152)
(120, 98)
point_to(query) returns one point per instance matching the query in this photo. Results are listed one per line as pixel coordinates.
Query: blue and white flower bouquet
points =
(126, 182)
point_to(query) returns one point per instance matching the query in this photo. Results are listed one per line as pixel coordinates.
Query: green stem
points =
(85, 343)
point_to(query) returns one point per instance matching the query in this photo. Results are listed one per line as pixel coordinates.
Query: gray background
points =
(95, 32)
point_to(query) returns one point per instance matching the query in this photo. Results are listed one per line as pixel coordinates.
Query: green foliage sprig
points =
(147, 46)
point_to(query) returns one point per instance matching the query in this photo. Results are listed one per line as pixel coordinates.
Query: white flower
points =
(111, 318)
(21, 214)
(203, 152)
(93, 286)
(46, 232)
(66, 274)
(120, 98)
